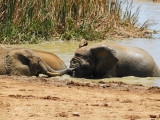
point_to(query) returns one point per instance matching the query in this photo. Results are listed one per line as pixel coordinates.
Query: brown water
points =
(65, 50)
(149, 10)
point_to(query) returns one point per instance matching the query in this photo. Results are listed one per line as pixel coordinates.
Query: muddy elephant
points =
(51, 59)
(21, 61)
(111, 60)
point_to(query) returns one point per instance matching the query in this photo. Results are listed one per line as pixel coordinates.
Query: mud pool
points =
(148, 10)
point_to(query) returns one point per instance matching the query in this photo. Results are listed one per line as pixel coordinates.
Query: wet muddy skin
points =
(65, 50)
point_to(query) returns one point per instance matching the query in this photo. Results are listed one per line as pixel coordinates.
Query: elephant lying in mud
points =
(110, 60)
(21, 61)
(51, 59)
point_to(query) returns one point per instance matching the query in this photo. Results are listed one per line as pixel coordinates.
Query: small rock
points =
(63, 114)
(101, 82)
(96, 85)
(95, 105)
(22, 90)
(107, 85)
(117, 99)
(153, 116)
(76, 114)
(103, 85)
(130, 109)
(106, 105)
(87, 84)
(127, 101)
(91, 85)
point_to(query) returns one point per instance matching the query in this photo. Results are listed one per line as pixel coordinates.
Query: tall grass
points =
(25, 21)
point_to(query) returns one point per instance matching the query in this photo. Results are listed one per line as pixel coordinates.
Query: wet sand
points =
(31, 98)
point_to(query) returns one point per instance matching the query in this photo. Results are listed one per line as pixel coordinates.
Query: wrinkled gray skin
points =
(19, 61)
(110, 60)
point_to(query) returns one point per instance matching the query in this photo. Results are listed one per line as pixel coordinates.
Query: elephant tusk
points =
(52, 74)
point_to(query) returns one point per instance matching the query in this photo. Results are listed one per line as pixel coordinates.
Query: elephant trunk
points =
(58, 73)
(46, 69)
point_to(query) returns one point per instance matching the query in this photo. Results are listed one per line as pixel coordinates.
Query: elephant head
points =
(93, 61)
(20, 61)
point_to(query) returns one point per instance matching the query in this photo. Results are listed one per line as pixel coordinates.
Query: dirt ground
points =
(31, 98)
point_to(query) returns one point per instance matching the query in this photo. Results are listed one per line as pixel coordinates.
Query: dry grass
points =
(26, 21)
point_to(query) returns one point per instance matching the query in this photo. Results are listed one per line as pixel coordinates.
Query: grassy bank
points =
(29, 21)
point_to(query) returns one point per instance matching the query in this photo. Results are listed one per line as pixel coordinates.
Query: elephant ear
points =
(18, 62)
(83, 43)
(105, 59)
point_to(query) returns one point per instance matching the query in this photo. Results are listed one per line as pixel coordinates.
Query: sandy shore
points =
(31, 98)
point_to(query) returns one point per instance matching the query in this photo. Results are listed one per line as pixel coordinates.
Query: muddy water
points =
(149, 10)
(65, 50)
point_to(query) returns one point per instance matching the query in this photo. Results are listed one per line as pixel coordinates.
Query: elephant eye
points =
(82, 57)
(79, 55)
(74, 61)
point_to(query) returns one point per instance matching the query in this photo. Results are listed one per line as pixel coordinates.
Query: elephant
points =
(106, 60)
(23, 61)
(51, 59)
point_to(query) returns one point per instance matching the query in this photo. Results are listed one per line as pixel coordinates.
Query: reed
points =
(27, 21)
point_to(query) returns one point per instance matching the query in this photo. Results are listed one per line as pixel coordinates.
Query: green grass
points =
(25, 21)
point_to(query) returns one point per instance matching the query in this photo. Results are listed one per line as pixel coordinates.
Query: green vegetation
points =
(30, 21)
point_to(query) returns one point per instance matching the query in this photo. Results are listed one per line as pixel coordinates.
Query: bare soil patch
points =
(31, 98)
